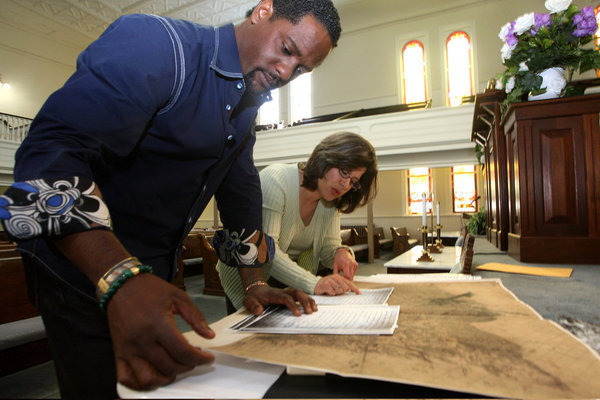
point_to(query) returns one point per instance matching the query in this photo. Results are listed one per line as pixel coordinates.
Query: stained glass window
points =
(301, 97)
(269, 111)
(458, 67)
(464, 189)
(419, 182)
(413, 72)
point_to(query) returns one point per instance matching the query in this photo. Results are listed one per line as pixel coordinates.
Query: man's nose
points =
(285, 70)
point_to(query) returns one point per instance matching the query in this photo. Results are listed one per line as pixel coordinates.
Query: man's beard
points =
(254, 88)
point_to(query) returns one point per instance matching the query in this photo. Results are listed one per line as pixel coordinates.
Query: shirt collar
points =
(226, 59)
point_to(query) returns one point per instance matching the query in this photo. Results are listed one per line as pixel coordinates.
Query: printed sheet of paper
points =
(330, 319)
(213, 381)
(367, 296)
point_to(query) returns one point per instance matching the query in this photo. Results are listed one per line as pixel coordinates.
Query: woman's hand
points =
(345, 263)
(334, 285)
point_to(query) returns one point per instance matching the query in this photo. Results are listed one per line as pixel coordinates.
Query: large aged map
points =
(467, 336)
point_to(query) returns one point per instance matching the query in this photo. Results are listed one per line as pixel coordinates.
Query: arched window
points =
(301, 97)
(414, 83)
(419, 182)
(268, 113)
(459, 68)
(464, 189)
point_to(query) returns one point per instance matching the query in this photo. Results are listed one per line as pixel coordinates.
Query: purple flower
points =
(510, 38)
(539, 21)
(585, 22)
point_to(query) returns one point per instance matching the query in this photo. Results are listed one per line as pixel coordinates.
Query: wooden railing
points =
(13, 128)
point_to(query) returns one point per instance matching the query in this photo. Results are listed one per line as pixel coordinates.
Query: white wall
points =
(34, 63)
(363, 71)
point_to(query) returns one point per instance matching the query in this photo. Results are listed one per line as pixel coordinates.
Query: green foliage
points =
(476, 224)
(542, 47)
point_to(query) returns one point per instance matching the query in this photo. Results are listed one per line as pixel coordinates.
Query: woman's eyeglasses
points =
(345, 174)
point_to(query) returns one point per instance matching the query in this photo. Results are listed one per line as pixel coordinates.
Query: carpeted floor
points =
(587, 332)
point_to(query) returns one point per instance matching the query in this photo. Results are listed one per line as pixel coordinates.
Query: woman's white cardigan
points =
(281, 220)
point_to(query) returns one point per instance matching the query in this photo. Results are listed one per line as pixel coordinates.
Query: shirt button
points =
(240, 85)
(230, 138)
(228, 107)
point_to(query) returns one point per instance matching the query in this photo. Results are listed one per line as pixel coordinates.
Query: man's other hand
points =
(260, 296)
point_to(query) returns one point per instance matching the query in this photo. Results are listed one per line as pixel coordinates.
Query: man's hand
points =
(259, 296)
(345, 262)
(149, 349)
(334, 285)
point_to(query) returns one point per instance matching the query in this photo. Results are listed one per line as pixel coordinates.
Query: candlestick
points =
(438, 241)
(424, 209)
(431, 244)
(438, 213)
(431, 196)
(425, 253)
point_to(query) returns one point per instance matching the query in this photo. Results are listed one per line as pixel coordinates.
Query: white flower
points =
(504, 32)
(510, 84)
(506, 51)
(499, 85)
(524, 23)
(523, 66)
(555, 6)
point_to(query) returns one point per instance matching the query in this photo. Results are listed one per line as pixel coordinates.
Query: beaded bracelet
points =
(255, 283)
(117, 283)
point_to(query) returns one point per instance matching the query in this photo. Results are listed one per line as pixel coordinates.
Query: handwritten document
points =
(348, 314)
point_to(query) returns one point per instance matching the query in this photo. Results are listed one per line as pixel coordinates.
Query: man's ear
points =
(263, 11)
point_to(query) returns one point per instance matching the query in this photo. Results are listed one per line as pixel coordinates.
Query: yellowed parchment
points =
(469, 336)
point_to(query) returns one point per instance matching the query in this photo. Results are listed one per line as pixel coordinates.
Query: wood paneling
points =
(553, 156)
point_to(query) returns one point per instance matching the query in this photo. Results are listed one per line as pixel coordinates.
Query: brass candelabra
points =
(438, 241)
(425, 254)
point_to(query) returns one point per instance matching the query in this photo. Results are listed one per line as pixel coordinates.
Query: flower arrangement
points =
(534, 43)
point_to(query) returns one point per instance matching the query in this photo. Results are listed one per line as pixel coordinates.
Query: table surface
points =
(443, 261)
(446, 234)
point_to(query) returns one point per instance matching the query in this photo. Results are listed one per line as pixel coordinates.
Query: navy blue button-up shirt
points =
(155, 116)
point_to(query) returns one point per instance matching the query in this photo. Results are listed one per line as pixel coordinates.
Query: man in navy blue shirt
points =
(120, 163)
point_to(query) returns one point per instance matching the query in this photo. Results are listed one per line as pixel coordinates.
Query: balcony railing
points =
(13, 128)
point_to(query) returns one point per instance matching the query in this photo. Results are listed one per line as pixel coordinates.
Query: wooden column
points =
(488, 132)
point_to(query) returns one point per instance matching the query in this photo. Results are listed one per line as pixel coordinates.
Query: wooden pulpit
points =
(553, 159)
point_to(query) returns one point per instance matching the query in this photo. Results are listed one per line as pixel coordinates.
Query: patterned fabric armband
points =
(243, 249)
(52, 207)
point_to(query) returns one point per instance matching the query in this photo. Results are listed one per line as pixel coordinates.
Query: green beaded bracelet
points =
(119, 282)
